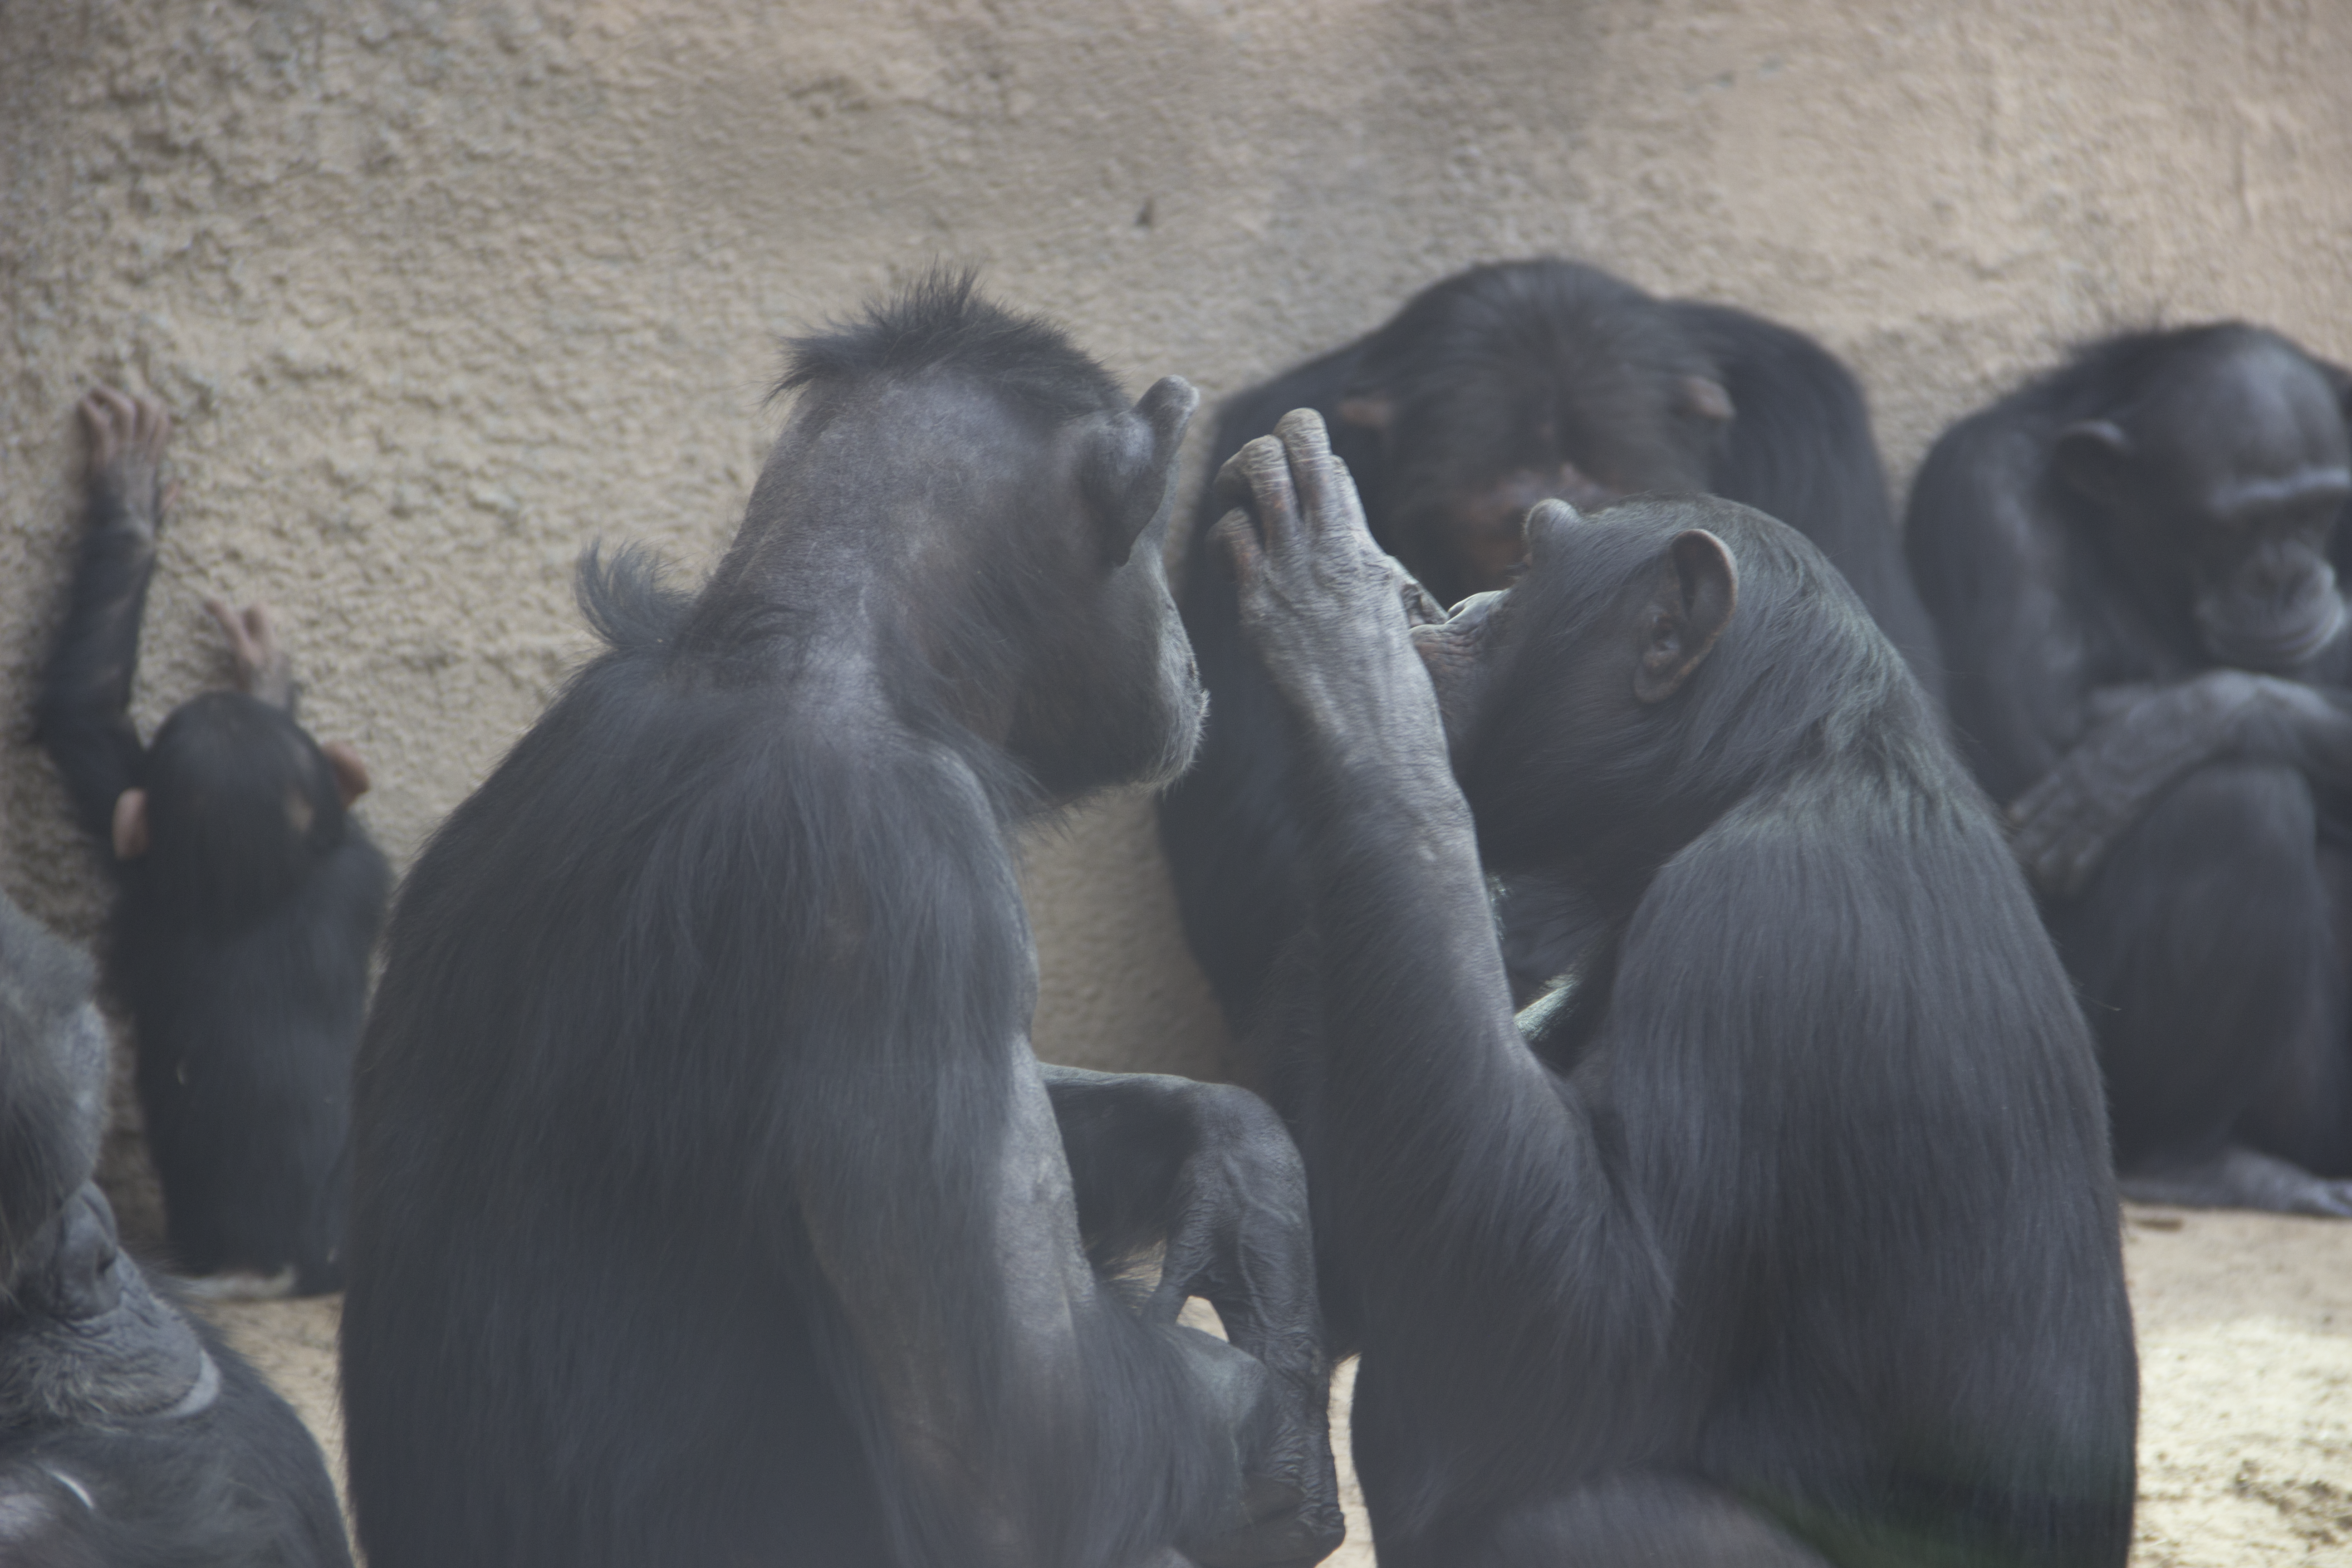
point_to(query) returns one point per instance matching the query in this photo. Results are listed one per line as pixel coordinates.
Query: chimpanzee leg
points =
(2203, 951)
(2302, 1112)
(1629, 1518)
(1633, 1518)
(1207, 1172)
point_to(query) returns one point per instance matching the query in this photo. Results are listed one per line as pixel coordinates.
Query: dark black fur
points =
(701, 1051)
(239, 941)
(1786, 1232)
(130, 1436)
(2152, 676)
(1502, 367)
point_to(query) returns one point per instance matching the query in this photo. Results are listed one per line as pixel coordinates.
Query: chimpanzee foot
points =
(127, 437)
(2238, 1178)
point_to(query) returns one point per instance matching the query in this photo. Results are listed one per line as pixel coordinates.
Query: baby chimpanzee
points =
(247, 902)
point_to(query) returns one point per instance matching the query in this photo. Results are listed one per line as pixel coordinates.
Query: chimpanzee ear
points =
(1374, 411)
(1128, 466)
(131, 824)
(2091, 458)
(1698, 589)
(1704, 396)
(350, 773)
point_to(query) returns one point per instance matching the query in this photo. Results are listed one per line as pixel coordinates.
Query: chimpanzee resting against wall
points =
(709, 1205)
(248, 897)
(129, 1435)
(1785, 1233)
(2128, 562)
(1488, 392)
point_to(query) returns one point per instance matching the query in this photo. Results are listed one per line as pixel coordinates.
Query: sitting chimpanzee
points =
(130, 1435)
(247, 899)
(1785, 1232)
(710, 1206)
(2128, 560)
(1487, 392)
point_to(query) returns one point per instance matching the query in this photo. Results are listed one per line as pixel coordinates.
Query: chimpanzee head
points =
(1508, 384)
(80, 1333)
(1657, 659)
(1016, 569)
(53, 1057)
(2217, 487)
(237, 805)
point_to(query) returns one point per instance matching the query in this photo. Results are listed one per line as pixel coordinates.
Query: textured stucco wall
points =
(442, 293)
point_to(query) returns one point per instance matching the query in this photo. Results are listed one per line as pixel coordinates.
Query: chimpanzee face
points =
(2224, 492)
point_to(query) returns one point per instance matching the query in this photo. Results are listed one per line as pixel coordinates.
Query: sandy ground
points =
(2245, 1331)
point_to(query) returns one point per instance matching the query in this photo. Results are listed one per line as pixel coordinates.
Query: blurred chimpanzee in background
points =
(130, 1436)
(2129, 561)
(248, 897)
(709, 1205)
(1785, 1233)
(1489, 391)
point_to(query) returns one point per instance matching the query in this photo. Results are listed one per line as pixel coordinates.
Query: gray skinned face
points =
(2250, 471)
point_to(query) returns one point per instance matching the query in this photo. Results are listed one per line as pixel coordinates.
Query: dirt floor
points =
(2245, 1330)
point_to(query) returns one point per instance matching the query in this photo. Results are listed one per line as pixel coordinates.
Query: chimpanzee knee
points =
(2201, 948)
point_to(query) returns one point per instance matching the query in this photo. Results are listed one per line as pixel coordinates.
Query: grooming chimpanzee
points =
(247, 899)
(709, 1205)
(1488, 392)
(1786, 1231)
(2128, 561)
(130, 1435)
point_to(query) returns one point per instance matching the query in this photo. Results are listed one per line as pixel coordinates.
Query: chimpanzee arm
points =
(82, 714)
(1208, 1172)
(1449, 1149)
(2145, 739)
(1992, 573)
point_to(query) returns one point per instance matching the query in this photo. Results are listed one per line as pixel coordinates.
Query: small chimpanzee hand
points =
(263, 669)
(127, 437)
(1327, 610)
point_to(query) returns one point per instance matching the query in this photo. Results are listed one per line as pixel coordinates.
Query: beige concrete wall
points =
(442, 293)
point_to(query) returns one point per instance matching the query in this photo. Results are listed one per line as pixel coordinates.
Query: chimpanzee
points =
(1785, 1232)
(710, 1206)
(2128, 560)
(247, 897)
(129, 1435)
(1488, 392)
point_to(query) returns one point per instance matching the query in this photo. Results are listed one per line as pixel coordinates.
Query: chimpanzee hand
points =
(127, 437)
(1327, 610)
(2063, 827)
(263, 669)
(1240, 1240)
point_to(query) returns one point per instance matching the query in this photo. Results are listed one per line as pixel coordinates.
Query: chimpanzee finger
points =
(1235, 535)
(1232, 484)
(102, 413)
(1265, 466)
(1326, 489)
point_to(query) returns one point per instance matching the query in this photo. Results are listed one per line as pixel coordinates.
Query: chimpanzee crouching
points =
(2129, 561)
(1785, 1232)
(247, 901)
(130, 1436)
(710, 1206)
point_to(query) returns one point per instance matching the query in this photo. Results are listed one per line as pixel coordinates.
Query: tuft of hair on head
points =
(942, 323)
(627, 598)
